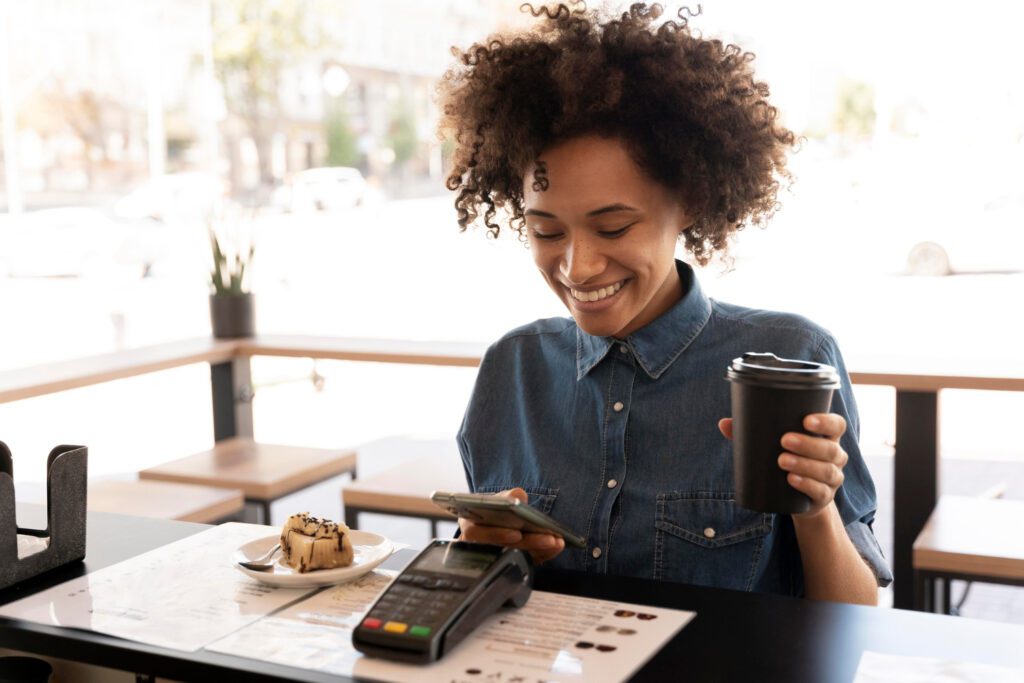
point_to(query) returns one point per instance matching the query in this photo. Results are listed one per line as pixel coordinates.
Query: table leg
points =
(351, 517)
(921, 587)
(231, 385)
(915, 482)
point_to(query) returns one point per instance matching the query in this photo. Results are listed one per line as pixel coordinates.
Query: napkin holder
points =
(64, 534)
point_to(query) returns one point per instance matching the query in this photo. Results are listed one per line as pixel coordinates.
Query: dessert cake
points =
(311, 543)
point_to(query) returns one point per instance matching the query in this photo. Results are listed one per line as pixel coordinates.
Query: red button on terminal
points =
(370, 622)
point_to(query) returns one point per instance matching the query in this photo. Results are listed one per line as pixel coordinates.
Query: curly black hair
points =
(688, 109)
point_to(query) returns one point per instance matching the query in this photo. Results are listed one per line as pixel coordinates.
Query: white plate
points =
(369, 551)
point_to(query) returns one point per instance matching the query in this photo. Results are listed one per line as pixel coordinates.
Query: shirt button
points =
(709, 533)
(612, 483)
(623, 348)
(596, 553)
(618, 407)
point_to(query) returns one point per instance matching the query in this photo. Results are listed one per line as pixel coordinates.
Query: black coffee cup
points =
(772, 396)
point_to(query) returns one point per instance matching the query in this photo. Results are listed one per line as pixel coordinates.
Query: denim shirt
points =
(619, 441)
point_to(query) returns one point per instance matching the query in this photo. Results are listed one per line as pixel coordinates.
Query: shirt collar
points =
(659, 343)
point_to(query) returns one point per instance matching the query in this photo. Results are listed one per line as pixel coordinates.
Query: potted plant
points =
(231, 302)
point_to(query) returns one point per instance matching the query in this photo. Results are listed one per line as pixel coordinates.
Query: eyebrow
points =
(611, 208)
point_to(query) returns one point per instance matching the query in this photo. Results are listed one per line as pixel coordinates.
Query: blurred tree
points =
(855, 109)
(402, 134)
(255, 42)
(89, 116)
(342, 145)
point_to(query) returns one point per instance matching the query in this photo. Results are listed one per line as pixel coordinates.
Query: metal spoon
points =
(262, 564)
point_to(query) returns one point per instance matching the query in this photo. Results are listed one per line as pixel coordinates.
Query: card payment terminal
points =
(444, 593)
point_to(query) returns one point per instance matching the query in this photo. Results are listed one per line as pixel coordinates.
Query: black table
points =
(735, 636)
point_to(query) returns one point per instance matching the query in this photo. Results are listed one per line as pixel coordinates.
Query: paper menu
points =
(315, 633)
(557, 638)
(181, 596)
(187, 596)
(876, 667)
(554, 638)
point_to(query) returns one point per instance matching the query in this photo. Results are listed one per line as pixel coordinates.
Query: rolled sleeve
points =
(867, 547)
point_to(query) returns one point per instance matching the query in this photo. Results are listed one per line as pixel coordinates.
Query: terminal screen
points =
(455, 559)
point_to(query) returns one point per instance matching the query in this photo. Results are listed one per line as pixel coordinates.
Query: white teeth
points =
(596, 295)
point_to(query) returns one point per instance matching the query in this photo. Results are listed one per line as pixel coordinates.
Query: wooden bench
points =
(969, 539)
(163, 500)
(263, 472)
(404, 489)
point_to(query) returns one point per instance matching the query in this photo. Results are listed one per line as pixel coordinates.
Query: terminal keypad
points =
(416, 604)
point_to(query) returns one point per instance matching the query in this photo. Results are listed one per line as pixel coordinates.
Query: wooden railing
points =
(915, 476)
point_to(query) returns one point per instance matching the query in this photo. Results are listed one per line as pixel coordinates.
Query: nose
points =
(583, 260)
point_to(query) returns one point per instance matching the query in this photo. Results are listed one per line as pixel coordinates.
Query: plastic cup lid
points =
(767, 367)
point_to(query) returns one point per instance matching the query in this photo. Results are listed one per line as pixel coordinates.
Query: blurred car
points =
(188, 197)
(989, 239)
(322, 189)
(77, 242)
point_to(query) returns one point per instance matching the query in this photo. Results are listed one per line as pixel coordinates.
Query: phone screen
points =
(493, 510)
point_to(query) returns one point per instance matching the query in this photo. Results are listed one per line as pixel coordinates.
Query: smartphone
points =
(509, 513)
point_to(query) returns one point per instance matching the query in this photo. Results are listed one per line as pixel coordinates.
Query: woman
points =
(606, 140)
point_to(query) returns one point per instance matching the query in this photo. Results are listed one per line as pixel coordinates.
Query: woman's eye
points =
(618, 232)
(546, 235)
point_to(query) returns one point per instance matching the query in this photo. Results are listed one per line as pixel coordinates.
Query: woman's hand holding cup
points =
(541, 546)
(814, 464)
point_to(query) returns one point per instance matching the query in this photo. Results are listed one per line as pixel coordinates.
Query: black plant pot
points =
(232, 315)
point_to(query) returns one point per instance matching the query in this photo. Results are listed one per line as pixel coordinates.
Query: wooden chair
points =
(969, 539)
(404, 489)
(263, 472)
(162, 500)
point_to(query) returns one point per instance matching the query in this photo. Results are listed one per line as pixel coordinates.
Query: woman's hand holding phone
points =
(541, 546)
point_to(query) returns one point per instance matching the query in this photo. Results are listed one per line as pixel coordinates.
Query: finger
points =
(820, 494)
(540, 549)
(816, 447)
(495, 535)
(725, 426)
(824, 472)
(516, 493)
(538, 542)
(826, 424)
(544, 554)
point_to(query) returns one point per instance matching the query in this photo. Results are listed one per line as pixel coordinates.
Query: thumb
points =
(516, 493)
(725, 426)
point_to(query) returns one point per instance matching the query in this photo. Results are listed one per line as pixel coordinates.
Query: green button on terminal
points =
(423, 631)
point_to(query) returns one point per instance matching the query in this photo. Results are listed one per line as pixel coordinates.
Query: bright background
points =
(123, 124)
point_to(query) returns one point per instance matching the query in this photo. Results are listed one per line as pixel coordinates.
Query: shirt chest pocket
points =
(705, 538)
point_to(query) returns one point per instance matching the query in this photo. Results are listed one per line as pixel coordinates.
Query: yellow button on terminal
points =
(396, 627)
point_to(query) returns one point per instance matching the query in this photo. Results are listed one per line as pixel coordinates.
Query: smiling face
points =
(603, 235)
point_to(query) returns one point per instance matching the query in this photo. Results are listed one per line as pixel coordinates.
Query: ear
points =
(687, 217)
(688, 223)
